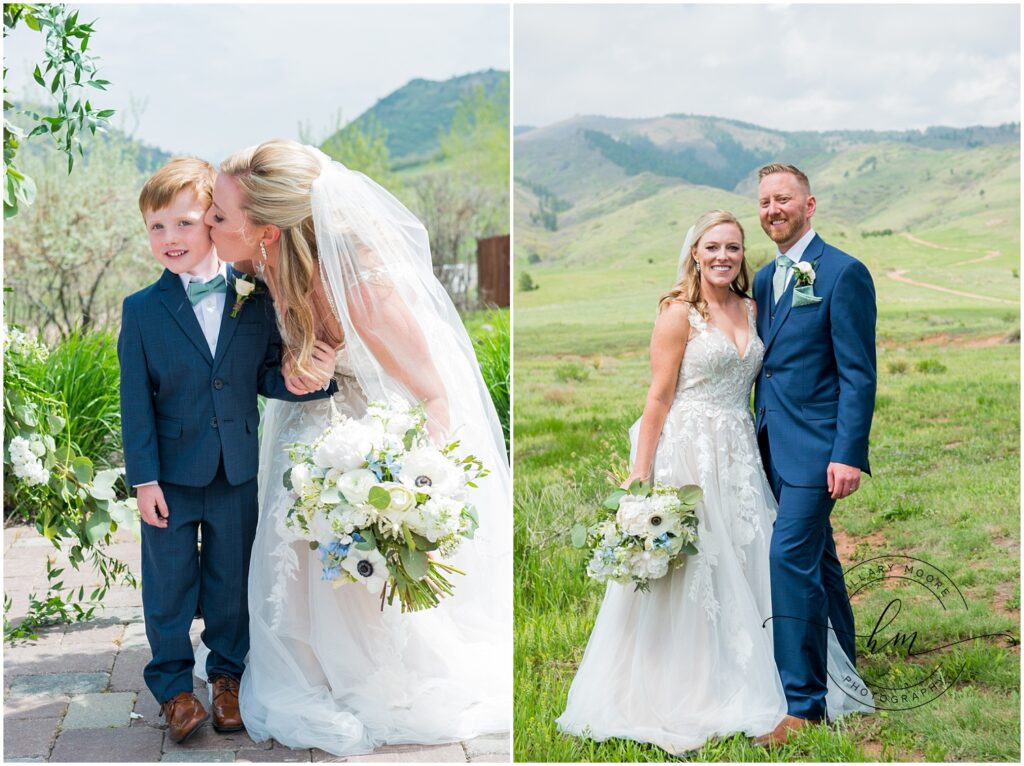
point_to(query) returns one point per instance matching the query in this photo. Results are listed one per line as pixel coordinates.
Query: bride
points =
(692, 659)
(348, 266)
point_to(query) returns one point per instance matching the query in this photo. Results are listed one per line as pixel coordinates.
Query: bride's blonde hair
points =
(277, 179)
(687, 288)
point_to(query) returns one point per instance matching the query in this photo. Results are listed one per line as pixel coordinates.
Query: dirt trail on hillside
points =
(897, 275)
(933, 245)
(986, 257)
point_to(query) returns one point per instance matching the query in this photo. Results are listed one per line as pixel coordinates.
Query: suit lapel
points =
(176, 301)
(763, 296)
(785, 305)
(228, 324)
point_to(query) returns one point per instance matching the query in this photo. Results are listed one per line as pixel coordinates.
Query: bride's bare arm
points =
(668, 344)
(384, 322)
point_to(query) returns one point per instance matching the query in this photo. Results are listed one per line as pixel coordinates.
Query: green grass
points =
(944, 446)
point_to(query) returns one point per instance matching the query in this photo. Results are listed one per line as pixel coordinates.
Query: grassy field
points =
(945, 448)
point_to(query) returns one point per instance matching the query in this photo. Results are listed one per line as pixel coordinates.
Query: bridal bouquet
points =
(376, 498)
(645, 531)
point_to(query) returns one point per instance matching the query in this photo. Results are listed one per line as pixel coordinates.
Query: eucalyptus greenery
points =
(67, 72)
(48, 480)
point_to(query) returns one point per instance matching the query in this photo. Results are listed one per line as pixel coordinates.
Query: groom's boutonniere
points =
(804, 274)
(244, 287)
(803, 291)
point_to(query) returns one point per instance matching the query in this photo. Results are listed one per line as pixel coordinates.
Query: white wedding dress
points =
(327, 667)
(690, 659)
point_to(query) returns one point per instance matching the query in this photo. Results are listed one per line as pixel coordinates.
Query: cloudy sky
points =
(789, 67)
(210, 79)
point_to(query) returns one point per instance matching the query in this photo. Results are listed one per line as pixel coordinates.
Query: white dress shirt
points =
(210, 310)
(796, 252)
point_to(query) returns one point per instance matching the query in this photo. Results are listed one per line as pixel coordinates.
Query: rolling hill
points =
(415, 113)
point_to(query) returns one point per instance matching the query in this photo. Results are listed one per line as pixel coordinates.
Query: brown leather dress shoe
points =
(185, 715)
(226, 716)
(780, 735)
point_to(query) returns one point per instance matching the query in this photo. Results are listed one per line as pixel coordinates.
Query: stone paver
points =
(99, 711)
(35, 706)
(123, 745)
(28, 737)
(60, 683)
(276, 755)
(200, 756)
(488, 745)
(70, 696)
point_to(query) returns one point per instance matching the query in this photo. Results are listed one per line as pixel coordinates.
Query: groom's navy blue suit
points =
(813, 404)
(189, 421)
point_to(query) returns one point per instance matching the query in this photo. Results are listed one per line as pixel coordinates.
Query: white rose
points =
(632, 515)
(402, 498)
(356, 484)
(321, 528)
(344, 447)
(243, 287)
(399, 423)
(806, 269)
(427, 471)
(301, 478)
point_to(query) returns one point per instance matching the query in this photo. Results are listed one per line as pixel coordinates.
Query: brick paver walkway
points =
(77, 693)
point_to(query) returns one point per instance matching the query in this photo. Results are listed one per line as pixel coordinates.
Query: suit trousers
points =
(176, 579)
(808, 590)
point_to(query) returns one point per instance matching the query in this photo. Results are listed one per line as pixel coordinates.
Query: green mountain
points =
(708, 151)
(415, 113)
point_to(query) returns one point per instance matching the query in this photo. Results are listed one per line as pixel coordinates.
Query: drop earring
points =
(262, 265)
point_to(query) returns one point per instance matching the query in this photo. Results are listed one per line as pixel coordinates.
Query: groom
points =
(814, 401)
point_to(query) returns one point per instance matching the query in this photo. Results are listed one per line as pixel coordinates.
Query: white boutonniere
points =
(803, 273)
(245, 286)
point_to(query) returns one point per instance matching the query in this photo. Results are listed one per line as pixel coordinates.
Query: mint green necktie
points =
(199, 290)
(782, 266)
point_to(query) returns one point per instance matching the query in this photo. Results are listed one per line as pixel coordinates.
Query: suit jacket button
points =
(218, 384)
(213, 423)
(773, 317)
(768, 373)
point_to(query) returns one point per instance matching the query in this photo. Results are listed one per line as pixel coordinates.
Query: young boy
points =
(194, 354)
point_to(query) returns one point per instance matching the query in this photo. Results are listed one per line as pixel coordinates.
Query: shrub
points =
(83, 370)
(897, 366)
(930, 367)
(492, 341)
(526, 283)
(571, 371)
(49, 481)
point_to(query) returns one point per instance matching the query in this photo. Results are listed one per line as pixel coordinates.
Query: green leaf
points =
(422, 543)
(690, 494)
(369, 541)
(97, 526)
(38, 76)
(689, 549)
(56, 423)
(104, 114)
(415, 563)
(612, 501)
(579, 536)
(25, 414)
(81, 467)
(33, 22)
(38, 130)
(288, 479)
(640, 487)
(379, 498)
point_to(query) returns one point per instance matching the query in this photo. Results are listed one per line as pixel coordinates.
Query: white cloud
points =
(792, 67)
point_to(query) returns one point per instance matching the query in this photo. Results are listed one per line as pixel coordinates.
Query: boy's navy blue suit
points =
(189, 421)
(813, 405)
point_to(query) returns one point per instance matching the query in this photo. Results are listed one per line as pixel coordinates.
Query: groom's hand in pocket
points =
(152, 506)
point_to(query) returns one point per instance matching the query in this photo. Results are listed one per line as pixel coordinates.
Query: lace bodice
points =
(713, 376)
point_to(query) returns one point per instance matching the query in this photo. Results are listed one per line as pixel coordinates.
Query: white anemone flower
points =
(367, 567)
(427, 471)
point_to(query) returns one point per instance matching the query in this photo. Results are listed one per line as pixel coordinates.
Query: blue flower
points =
(331, 573)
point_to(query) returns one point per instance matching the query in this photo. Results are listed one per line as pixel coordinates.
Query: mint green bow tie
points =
(782, 266)
(199, 290)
